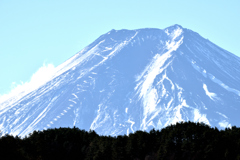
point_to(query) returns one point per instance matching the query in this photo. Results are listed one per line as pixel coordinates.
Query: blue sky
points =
(36, 36)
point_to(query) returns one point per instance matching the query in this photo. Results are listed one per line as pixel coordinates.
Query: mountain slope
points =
(133, 79)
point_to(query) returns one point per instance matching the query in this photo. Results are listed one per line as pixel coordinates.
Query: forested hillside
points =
(188, 141)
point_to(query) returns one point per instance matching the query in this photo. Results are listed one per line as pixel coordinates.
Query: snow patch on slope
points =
(39, 118)
(215, 80)
(224, 124)
(211, 95)
(102, 117)
(198, 117)
(145, 88)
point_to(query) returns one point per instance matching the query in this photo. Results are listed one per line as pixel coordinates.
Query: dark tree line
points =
(187, 141)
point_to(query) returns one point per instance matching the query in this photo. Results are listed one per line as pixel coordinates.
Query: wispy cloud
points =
(43, 75)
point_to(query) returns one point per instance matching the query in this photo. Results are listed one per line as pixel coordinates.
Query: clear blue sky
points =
(34, 32)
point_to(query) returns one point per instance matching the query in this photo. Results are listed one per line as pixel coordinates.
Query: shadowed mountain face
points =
(130, 80)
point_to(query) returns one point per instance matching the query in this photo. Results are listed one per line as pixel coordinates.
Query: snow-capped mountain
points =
(130, 80)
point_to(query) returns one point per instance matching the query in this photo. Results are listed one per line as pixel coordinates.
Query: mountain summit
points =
(130, 80)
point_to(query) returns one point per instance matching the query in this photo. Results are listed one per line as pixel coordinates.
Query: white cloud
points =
(43, 75)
